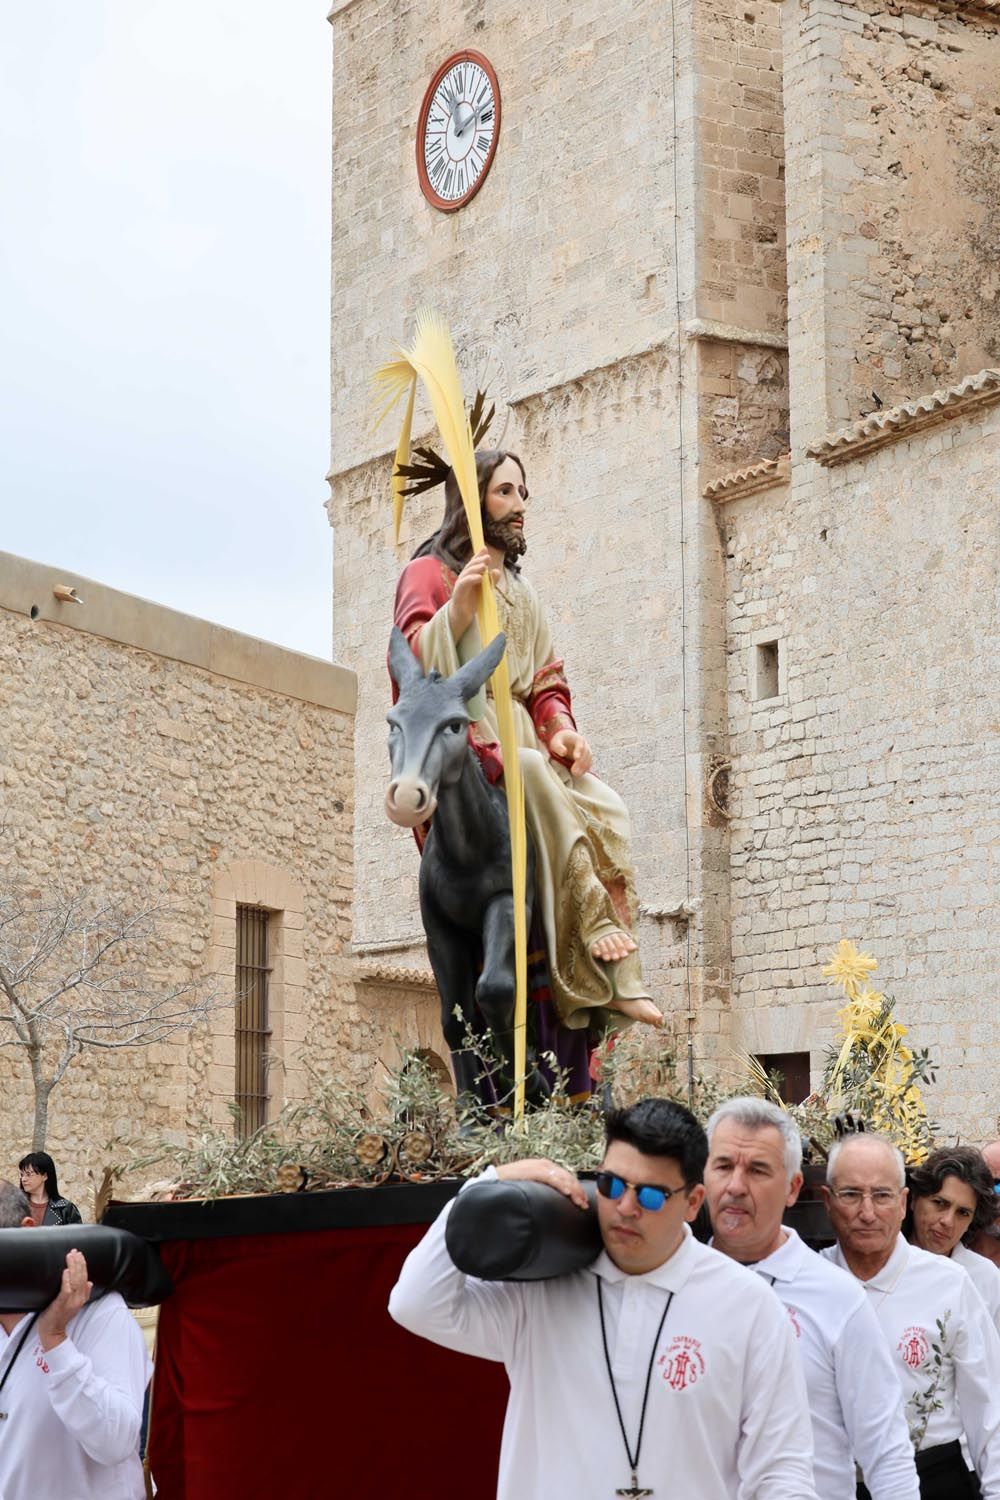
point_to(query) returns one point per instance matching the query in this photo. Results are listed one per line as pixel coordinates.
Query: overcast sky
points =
(164, 302)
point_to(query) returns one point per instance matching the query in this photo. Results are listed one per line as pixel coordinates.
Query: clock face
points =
(458, 130)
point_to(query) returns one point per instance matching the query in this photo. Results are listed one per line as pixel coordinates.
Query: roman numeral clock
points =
(458, 130)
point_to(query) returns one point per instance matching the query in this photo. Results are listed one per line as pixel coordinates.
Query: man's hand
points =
(73, 1294)
(465, 595)
(538, 1169)
(566, 744)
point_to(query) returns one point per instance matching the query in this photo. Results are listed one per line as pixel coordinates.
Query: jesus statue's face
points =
(504, 502)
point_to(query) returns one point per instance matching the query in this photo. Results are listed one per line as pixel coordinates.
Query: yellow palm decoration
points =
(431, 358)
(875, 1072)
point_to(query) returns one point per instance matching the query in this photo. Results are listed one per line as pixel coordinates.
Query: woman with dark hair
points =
(951, 1199)
(38, 1181)
(584, 888)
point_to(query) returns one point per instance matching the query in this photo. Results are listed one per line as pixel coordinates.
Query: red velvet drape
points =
(280, 1373)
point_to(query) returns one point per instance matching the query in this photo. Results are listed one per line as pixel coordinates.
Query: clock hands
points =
(476, 118)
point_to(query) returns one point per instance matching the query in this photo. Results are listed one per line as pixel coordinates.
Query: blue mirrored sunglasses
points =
(996, 1184)
(652, 1199)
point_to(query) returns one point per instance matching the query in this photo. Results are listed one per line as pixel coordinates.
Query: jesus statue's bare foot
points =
(638, 1010)
(613, 946)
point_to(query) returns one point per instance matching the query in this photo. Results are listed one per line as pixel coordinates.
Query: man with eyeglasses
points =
(662, 1370)
(945, 1349)
(753, 1174)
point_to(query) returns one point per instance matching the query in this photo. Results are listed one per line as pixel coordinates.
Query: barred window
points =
(253, 1032)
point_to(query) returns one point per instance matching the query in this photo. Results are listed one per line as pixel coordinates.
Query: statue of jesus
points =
(584, 886)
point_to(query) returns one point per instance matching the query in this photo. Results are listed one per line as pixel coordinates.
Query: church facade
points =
(731, 273)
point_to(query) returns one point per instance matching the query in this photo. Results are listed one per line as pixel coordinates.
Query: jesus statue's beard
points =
(506, 537)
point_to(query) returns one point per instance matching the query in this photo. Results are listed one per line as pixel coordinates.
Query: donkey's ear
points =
(470, 678)
(403, 664)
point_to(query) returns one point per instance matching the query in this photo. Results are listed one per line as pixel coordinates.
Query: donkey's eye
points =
(457, 726)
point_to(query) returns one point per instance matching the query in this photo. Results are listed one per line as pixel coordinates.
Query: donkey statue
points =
(466, 896)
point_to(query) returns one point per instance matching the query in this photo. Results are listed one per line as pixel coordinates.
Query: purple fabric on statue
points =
(571, 1049)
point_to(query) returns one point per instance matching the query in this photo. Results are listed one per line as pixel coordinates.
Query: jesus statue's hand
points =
(566, 744)
(465, 595)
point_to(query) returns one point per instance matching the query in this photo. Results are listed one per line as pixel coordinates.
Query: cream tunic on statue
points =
(854, 1396)
(727, 1414)
(911, 1293)
(578, 824)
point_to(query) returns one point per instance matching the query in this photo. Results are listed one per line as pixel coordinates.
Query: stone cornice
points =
(979, 9)
(396, 976)
(29, 589)
(976, 9)
(897, 422)
(729, 333)
(770, 473)
(528, 397)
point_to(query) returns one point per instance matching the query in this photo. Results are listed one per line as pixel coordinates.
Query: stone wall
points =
(740, 180)
(150, 756)
(535, 269)
(743, 406)
(893, 127)
(861, 792)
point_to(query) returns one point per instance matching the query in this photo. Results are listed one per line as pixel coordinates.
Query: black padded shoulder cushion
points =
(521, 1231)
(32, 1263)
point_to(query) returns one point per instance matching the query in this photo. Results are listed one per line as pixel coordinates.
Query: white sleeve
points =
(775, 1459)
(871, 1399)
(96, 1381)
(976, 1353)
(435, 1300)
(985, 1277)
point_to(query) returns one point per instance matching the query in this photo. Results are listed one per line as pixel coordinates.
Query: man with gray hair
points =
(753, 1174)
(14, 1207)
(944, 1347)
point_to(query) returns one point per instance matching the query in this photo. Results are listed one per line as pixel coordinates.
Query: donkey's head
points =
(427, 727)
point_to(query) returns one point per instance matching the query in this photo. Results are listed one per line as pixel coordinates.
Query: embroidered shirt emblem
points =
(913, 1347)
(682, 1365)
(793, 1318)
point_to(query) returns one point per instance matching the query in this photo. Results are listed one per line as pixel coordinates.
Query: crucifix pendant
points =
(634, 1491)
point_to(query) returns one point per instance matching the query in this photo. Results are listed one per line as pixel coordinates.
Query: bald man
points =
(945, 1349)
(987, 1241)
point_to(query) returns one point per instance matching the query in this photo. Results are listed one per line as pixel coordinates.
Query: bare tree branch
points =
(76, 974)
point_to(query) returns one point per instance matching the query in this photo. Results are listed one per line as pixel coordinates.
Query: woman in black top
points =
(38, 1181)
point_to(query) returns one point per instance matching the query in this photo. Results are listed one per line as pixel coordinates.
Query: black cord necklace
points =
(634, 1490)
(20, 1345)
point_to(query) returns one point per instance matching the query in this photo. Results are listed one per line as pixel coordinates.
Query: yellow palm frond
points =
(759, 1079)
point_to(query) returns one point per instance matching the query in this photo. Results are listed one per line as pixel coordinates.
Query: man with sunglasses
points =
(662, 1370)
(944, 1347)
(754, 1172)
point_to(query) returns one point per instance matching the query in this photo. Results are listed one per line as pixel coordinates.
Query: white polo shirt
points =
(854, 1397)
(74, 1412)
(985, 1277)
(911, 1293)
(727, 1412)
